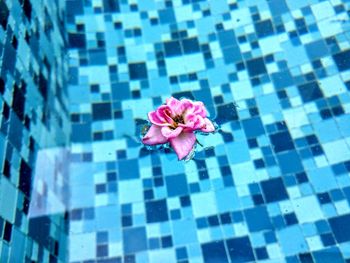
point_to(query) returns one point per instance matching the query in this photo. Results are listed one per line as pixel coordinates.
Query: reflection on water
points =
(50, 192)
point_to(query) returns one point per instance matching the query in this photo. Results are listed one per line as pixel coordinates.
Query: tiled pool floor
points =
(272, 185)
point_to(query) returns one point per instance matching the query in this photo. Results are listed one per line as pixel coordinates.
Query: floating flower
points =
(175, 122)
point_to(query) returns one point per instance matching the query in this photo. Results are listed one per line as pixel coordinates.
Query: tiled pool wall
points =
(34, 119)
(272, 185)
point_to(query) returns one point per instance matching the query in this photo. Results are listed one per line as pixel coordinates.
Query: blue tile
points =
(310, 91)
(289, 162)
(240, 249)
(270, 237)
(120, 91)
(342, 61)
(77, 40)
(190, 45)
(172, 48)
(256, 67)
(316, 49)
(156, 211)
(281, 141)
(253, 127)
(232, 54)
(328, 255)
(214, 252)
(327, 239)
(102, 251)
(134, 240)
(274, 190)
(340, 228)
(181, 253)
(227, 38)
(261, 253)
(167, 16)
(138, 71)
(264, 28)
(292, 240)
(257, 219)
(101, 111)
(176, 185)
(128, 169)
(81, 132)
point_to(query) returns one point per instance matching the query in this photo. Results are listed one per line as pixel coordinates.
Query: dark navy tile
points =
(281, 141)
(261, 253)
(138, 71)
(101, 111)
(274, 190)
(226, 113)
(327, 239)
(305, 258)
(190, 45)
(156, 211)
(77, 40)
(291, 219)
(111, 6)
(172, 48)
(181, 253)
(7, 232)
(214, 252)
(225, 218)
(264, 28)
(342, 60)
(310, 91)
(240, 249)
(256, 67)
(102, 251)
(341, 228)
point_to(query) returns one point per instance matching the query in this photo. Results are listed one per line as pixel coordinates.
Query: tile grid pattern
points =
(33, 115)
(272, 184)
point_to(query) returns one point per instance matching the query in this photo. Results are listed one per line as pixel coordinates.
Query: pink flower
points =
(175, 122)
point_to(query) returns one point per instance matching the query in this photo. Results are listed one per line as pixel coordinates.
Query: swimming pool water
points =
(272, 185)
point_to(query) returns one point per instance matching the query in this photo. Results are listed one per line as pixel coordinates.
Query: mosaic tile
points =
(271, 185)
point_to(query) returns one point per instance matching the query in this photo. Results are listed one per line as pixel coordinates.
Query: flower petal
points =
(193, 122)
(187, 106)
(161, 117)
(164, 113)
(175, 106)
(193, 107)
(171, 133)
(183, 144)
(154, 136)
(172, 102)
(208, 126)
(199, 109)
(154, 119)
